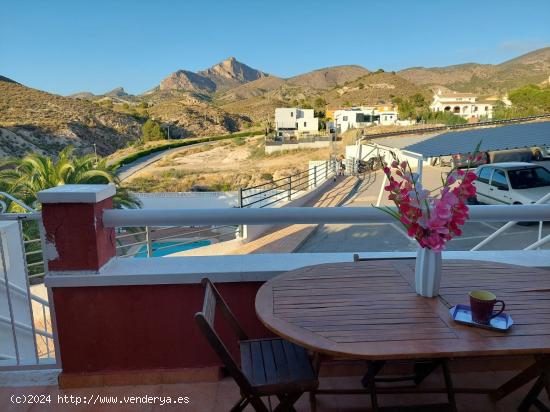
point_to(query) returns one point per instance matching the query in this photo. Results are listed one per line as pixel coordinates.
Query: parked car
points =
(513, 183)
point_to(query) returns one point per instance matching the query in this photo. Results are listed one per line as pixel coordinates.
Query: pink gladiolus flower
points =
(432, 221)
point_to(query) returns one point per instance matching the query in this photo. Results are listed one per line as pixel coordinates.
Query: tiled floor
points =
(220, 396)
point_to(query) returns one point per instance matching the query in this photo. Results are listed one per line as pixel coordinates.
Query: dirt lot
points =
(222, 166)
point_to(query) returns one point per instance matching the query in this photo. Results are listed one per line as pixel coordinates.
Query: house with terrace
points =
(466, 105)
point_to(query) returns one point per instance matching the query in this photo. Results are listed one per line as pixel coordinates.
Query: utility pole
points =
(95, 151)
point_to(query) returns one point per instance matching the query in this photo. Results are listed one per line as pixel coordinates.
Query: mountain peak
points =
(222, 76)
(117, 92)
(7, 79)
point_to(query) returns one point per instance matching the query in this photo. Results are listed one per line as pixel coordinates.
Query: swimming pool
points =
(170, 247)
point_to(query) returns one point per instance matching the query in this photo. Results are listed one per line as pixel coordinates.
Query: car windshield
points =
(529, 178)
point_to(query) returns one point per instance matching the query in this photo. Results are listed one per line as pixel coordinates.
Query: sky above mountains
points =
(67, 46)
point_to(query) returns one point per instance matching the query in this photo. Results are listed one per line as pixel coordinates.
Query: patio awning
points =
(492, 138)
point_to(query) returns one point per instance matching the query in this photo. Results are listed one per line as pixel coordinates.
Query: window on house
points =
(305, 124)
(486, 108)
(291, 114)
(345, 118)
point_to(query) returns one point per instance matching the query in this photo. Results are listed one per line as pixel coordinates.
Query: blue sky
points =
(69, 46)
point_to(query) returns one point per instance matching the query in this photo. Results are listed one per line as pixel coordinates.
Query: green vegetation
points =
(446, 118)
(24, 178)
(526, 101)
(152, 131)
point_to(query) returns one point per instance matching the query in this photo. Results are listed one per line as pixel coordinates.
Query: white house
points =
(465, 105)
(358, 117)
(295, 121)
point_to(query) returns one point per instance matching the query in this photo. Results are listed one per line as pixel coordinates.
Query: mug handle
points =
(501, 309)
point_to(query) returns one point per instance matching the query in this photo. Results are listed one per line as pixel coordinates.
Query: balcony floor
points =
(220, 396)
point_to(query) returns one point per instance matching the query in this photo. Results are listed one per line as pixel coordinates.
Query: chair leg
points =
(287, 401)
(312, 402)
(239, 406)
(258, 404)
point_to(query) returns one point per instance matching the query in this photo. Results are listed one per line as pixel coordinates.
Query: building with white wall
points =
(358, 117)
(465, 105)
(294, 121)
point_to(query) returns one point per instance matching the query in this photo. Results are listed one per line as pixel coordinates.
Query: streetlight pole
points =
(95, 151)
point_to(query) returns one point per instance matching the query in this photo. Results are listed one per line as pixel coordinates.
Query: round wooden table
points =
(370, 310)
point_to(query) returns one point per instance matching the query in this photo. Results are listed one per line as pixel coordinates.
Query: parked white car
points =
(512, 183)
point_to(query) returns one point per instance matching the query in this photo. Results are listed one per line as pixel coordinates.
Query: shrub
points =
(152, 130)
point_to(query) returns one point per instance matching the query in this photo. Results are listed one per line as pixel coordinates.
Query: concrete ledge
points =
(251, 268)
(141, 377)
(77, 193)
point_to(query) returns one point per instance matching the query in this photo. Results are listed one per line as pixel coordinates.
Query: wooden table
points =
(369, 310)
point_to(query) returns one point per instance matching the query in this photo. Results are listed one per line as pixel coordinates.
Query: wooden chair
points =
(269, 367)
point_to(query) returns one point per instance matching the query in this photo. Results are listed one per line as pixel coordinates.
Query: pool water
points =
(170, 247)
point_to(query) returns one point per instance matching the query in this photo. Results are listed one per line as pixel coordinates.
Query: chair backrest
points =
(205, 321)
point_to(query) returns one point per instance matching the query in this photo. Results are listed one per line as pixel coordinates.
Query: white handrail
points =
(299, 215)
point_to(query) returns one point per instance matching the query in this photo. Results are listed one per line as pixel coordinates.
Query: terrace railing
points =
(32, 333)
(286, 188)
(151, 241)
(540, 241)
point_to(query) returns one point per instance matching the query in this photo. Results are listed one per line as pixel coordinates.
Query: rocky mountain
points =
(258, 99)
(228, 97)
(533, 67)
(33, 120)
(117, 95)
(222, 76)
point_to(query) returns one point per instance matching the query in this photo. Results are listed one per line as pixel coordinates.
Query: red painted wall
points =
(76, 229)
(145, 327)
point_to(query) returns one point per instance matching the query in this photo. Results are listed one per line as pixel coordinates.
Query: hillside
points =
(328, 77)
(372, 89)
(532, 67)
(251, 89)
(191, 116)
(32, 120)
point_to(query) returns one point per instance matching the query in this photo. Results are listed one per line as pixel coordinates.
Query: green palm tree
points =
(24, 178)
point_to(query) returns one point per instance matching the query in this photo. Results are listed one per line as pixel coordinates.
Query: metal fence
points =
(285, 188)
(162, 241)
(26, 335)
